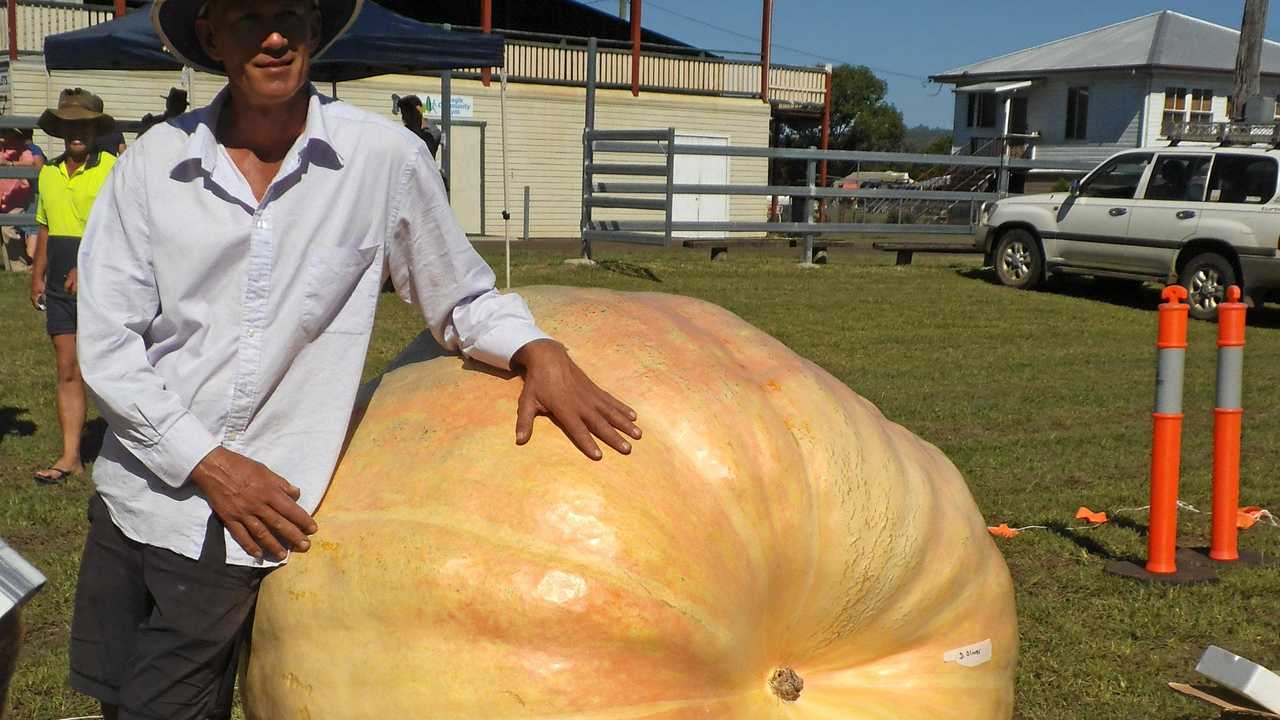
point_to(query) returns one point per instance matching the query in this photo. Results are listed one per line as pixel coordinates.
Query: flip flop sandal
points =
(57, 477)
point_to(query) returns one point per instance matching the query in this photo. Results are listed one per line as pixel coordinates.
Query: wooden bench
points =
(906, 250)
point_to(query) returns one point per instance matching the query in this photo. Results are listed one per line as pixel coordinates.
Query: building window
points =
(1201, 106)
(1278, 108)
(982, 110)
(1175, 109)
(1243, 179)
(1078, 113)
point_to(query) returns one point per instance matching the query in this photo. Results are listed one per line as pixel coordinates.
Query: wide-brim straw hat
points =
(75, 105)
(175, 22)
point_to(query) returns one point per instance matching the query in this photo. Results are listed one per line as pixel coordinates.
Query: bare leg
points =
(71, 403)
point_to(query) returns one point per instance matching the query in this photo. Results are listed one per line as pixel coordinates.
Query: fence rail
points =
(661, 144)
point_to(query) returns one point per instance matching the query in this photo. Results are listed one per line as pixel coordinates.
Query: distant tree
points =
(862, 118)
(939, 146)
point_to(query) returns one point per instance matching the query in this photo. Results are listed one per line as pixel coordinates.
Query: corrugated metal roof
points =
(1163, 39)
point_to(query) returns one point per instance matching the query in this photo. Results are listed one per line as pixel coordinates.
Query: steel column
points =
(120, 8)
(671, 179)
(486, 26)
(588, 152)
(636, 30)
(526, 212)
(766, 42)
(810, 174)
(13, 29)
(826, 140)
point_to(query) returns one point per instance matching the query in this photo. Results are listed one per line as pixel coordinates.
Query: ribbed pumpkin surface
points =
(771, 529)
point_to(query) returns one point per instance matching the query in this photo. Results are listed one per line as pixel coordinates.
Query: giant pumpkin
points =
(773, 548)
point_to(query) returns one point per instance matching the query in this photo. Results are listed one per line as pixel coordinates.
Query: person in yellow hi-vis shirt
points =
(68, 186)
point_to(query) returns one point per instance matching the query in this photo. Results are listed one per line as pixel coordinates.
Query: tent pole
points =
(446, 122)
(334, 85)
(506, 198)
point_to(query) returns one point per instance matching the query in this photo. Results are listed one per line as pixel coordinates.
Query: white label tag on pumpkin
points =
(970, 655)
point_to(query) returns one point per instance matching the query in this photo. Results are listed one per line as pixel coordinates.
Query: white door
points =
(1094, 223)
(465, 184)
(701, 170)
(1168, 214)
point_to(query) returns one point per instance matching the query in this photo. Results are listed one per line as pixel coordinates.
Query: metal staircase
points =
(958, 178)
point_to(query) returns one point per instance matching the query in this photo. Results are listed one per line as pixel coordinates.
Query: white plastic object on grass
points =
(1243, 676)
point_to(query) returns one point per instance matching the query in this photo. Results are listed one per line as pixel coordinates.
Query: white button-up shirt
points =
(209, 318)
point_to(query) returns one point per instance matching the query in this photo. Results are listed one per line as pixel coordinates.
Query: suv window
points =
(1179, 177)
(1118, 179)
(1243, 179)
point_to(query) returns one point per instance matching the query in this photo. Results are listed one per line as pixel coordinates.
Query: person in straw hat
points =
(69, 185)
(228, 281)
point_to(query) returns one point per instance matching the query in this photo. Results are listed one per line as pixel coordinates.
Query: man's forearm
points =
(40, 263)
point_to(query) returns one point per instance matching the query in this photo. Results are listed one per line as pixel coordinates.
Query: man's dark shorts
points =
(60, 305)
(155, 633)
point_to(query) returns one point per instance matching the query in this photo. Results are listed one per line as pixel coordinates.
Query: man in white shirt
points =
(228, 280)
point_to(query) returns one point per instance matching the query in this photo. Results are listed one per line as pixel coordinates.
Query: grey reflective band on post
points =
(1230, 378)
(1169, 370)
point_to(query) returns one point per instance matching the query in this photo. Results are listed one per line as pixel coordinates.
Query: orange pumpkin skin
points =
(770, 520)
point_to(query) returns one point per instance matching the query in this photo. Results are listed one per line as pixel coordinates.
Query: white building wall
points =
(544, 132)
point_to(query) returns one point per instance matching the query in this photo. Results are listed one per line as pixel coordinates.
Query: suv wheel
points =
(1206, 278)
(1019, 260)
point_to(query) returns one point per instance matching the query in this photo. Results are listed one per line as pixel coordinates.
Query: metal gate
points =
(649, 185)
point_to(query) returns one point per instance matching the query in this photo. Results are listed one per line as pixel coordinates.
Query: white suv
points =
(1205, 217)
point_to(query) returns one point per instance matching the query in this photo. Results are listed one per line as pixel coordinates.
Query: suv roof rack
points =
(1226, 133)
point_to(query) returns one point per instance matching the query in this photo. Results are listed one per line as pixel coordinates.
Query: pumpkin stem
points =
(786, 684)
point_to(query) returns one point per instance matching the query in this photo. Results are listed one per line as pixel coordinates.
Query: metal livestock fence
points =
(657, 192)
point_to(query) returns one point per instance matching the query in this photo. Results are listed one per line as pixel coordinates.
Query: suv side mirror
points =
(1075, 188)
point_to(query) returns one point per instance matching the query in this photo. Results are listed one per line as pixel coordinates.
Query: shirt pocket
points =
(336, 295)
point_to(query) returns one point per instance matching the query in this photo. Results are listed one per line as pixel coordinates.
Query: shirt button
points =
(252, 333)
(233, 436)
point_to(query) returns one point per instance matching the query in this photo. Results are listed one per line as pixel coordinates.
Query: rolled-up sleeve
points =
(117, 301)
(434, 267)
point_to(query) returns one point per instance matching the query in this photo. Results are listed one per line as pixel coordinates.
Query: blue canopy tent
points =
(379, 42)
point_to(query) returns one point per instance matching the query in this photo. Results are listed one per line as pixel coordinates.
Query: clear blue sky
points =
(914, 38)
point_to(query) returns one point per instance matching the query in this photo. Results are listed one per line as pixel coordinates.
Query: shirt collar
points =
(60, 162)
(313, 146)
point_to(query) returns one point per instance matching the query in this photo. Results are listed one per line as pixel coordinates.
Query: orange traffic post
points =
(1166, 440)
(1227, 416)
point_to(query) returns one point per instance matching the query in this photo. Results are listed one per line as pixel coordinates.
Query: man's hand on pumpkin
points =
(258, 507)
(555, 386)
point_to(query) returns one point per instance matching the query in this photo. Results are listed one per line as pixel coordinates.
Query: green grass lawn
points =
(1042, 399)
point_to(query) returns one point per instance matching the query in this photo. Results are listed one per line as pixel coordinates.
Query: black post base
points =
(1189, 571)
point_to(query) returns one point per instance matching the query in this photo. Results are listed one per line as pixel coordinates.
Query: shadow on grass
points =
(12, 423)
(1129, 524)
(1086, 542)
(1121, 293)
(621, 267)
